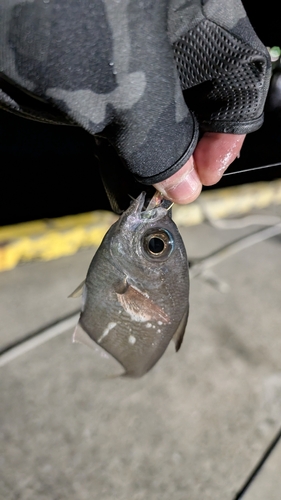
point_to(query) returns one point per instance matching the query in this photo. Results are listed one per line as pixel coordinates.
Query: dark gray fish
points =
(136, 293)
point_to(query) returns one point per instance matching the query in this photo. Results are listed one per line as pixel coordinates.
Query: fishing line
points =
(270, 165)
(258, 467)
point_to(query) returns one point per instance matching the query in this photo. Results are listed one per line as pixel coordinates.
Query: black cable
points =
(35, 333)
(258, 467)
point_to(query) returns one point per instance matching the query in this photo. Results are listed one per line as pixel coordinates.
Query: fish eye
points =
(158, 244)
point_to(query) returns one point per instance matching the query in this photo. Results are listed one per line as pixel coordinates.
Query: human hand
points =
(148, 77)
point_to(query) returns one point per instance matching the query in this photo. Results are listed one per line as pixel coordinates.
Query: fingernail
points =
(184, 190)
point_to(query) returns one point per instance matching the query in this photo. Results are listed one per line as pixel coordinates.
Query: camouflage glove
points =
(118, 69)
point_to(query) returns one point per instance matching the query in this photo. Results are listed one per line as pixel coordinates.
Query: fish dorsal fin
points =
(81, 337)
(78, 291)
(179, 333)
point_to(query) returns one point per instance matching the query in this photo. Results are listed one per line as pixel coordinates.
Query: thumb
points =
(213, 154)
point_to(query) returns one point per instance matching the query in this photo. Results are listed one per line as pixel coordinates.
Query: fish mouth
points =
(139, 203)
(136, 206)
(139, 211)
(133, 212)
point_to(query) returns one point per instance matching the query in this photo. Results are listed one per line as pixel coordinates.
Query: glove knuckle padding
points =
(225, 77)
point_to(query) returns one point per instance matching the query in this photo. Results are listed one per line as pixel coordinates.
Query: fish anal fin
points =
(179, 333)
(77, 292)
(82, 337)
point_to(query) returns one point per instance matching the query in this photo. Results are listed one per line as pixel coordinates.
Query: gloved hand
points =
(147, 75)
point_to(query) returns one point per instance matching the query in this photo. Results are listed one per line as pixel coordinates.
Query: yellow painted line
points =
(54, 238)
(61, 223)
(47, 240)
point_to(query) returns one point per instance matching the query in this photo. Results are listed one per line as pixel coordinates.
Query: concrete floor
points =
(191, 429)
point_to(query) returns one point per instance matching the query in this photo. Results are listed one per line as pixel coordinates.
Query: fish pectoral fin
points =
(139, 306)
(121, 286)
(180, 331)
(78, 291)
